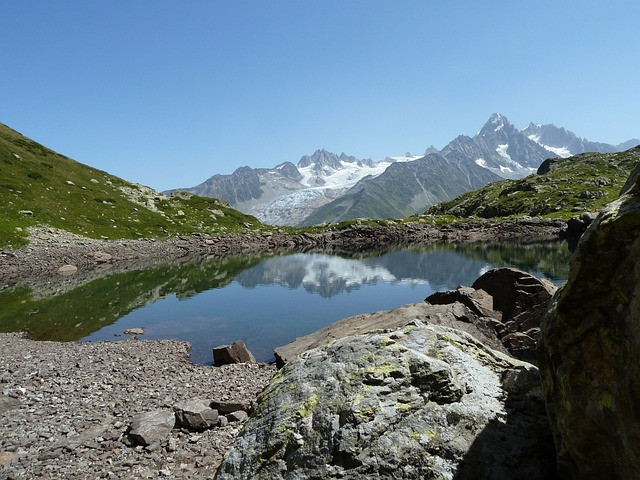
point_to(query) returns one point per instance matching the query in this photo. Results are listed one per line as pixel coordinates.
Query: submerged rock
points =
(590, 349)
(425, 401)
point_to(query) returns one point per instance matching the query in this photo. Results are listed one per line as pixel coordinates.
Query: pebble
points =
(65, 419)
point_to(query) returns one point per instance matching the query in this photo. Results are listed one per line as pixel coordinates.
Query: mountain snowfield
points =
(292, 208)
(288, 193)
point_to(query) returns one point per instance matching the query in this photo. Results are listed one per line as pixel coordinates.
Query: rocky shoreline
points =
(66, 408)
(50, 249)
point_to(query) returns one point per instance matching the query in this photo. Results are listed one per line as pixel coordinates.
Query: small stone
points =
(152, 427)
(134, 331)
(227, 406)
(237, 352)
(67, 270)
(239, 416)
(196, 414)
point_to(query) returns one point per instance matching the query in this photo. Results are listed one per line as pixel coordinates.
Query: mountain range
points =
(326, 187)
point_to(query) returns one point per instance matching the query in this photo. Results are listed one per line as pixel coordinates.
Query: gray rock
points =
(590, 348)
(102, 257)
(478, 301)
(66, 270)
(196, 414)
(8, 403)
(424, 401)
(237, 416)
(152, 427)
(134, 331)
(455, 315)
(228, 406)
(237, 352)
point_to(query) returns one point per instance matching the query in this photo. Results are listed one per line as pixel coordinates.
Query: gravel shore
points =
(66, 408)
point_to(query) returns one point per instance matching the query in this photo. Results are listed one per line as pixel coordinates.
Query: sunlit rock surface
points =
(424, 401)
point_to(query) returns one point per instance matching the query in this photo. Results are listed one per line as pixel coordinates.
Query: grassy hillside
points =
(581, 183)
(41, 187)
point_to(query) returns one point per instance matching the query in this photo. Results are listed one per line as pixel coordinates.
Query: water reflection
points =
(265, 301)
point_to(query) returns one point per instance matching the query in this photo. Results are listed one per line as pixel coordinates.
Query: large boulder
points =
(424, 401)
(590, 349)
(454, 314)
(523, 300)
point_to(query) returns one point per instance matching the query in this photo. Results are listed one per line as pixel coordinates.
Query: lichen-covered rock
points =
(590, 349)
(424, 401)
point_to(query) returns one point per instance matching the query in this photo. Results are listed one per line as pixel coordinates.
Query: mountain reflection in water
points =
(265, 301)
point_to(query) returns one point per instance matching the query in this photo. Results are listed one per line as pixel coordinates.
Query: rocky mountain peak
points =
(496, 123)
(320, 158)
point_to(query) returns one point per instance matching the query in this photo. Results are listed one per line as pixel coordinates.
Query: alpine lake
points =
(265, 301)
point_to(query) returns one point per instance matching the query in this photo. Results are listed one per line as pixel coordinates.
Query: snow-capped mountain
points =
(501, 148)
(286, 194)
(566, 144)
(329, 187)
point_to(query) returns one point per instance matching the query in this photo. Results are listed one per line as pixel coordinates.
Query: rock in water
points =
(590, 350)
(424, 401)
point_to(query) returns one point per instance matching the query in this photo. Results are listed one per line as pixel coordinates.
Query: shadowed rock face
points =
(424, 401)
(590, 350)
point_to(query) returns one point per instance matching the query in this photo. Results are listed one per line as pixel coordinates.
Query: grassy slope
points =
(65, 194)
(582, 183)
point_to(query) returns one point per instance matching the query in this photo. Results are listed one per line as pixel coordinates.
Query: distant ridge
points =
(326, 187)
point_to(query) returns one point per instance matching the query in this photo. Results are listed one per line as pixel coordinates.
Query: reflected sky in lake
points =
(280, 298)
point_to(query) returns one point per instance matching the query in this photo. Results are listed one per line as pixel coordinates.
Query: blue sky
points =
(168, 93)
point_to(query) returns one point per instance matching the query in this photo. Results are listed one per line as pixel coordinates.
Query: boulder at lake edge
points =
(237, 352)
(425, 401)
(590, 349)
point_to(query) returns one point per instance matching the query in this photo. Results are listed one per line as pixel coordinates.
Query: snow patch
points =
(502, 151)
(562, 152)
(482, 163)
(345, 177)
(405, 158)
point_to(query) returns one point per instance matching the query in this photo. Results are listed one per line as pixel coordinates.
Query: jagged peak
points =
(496, 122)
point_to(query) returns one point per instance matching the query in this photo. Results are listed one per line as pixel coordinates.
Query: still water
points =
(264, 301)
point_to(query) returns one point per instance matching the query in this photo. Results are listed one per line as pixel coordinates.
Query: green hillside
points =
(41, 187)
(583, 183)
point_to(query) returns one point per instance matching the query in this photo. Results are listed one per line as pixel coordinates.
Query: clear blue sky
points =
(168, 93)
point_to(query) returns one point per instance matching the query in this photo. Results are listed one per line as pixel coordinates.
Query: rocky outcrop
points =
(522, 299)
(508, 301)
(454, 314)
(424, 401)
(589, 349)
